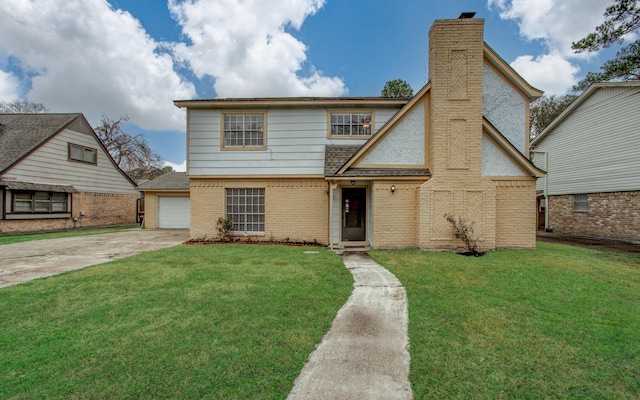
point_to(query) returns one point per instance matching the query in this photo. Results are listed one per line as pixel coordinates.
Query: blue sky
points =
(134, 57)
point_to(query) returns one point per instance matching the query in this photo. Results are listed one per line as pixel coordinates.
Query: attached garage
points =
(174, 212)
(166, 202)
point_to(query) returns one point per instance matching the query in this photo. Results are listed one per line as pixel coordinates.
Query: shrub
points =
(225, 227)
(464, 231)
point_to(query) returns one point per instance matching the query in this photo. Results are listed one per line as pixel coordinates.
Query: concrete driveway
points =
(25, 261)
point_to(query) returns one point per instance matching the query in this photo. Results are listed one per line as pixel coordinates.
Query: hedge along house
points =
(56, 174)
(378, 172)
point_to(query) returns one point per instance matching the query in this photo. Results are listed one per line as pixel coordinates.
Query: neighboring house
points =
(592, 156)
(378, 172)
(166, 201)
(56, 174)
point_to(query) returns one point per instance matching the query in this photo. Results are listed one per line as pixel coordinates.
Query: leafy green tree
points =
(397, 88)
(546, 109)
(22, 107)
(622, 18)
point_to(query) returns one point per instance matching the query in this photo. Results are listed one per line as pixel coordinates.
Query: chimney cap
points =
(466, 15)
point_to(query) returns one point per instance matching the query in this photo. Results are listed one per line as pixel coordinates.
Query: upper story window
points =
(82, 153)
(350, 124)
(243, 130)
(40, 202)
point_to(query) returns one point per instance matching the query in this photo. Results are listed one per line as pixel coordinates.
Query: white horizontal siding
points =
(50, 164)
(295, 141)
(595, 149)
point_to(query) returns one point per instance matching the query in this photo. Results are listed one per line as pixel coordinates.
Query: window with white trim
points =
(40, 202)
(243, 130)
(580, 202)
(82, 153)
(245, 207)
(350, 124)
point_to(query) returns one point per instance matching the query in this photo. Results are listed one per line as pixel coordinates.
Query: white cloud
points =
(549, 72)
(9, 86)
(182, 167)
(245, 46)
(557, 23)
(90, 58)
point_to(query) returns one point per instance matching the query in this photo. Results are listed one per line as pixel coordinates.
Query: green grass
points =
(215, 322)
(558, 322)
(8, 238)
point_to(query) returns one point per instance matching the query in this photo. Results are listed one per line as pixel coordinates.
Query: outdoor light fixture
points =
(393, 188)
(353, 182)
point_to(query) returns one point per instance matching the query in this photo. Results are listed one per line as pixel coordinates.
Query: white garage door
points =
(174, 212)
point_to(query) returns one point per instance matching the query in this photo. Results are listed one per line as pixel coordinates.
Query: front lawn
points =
(558, 322)
(216, 322)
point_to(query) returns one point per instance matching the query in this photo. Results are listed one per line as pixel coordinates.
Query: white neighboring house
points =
(55, 174)
(591, 153)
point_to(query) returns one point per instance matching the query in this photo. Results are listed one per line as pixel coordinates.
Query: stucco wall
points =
(504, 108)
(404, 144)
(495, 162)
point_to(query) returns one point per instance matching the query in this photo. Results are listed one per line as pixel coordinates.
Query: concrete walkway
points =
(22, 262)
(365, 354)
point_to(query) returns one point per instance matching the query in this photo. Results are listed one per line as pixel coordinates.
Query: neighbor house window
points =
(350, 123)
(580, 202)
(245, 206)
(82, 153)
(241, 131)
(40, 202)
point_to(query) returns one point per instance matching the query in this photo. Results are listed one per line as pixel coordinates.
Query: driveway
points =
(25, 261)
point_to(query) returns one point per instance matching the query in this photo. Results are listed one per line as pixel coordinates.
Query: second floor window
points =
(243, 130)
(350, 124)
(82, 153)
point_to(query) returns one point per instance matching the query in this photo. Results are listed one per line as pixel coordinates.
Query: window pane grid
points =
(245, 206)
(580, 202)
(39, 202)
(243, 130)
(351, 124)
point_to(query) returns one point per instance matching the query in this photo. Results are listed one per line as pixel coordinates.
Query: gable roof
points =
(168, 181)
(21, 134)
(336, 156)
(510, 74)
(577, 102)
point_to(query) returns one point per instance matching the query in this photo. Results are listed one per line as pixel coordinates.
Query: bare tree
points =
(18, 106)
(131, 152)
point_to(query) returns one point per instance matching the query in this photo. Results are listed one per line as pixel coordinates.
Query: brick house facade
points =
(374, 171)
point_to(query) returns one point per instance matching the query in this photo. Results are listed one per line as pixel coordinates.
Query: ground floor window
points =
(245, 206)
(40, 202)
(580, 202)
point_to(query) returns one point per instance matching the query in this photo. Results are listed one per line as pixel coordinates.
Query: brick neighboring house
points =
(374, 171)
(591, 154)
(56, 174)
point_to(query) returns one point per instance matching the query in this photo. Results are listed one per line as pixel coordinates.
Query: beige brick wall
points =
(100, 209)
(614, 215)
(294, 208)
(516, 213)
(395, 214)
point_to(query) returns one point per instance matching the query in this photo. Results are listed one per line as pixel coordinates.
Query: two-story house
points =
(373, 171)
(590, 153)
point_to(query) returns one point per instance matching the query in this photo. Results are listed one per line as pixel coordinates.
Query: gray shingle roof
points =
(335, 156)
(20, 134)
(38, 187)
(168, 181)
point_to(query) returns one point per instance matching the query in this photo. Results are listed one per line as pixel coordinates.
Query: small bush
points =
(225, 227)
(464, 231)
